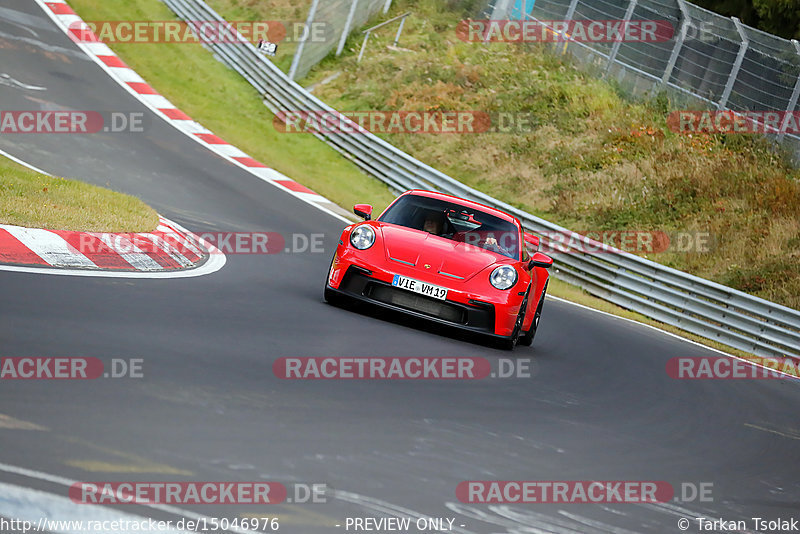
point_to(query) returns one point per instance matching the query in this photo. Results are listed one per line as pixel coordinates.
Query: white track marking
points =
(23, 163)
(129, 252)
(126, 75)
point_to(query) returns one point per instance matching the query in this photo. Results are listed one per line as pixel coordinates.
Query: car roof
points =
(464, 202)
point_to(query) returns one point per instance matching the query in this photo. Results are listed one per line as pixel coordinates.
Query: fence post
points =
(793, 100)
(299, 52)
(363, 46)
(615, 49)
(502, 10)
(399, 31)
(737, 65)
(573, 5)
(570, 10)
(347, 25)
(676, 51)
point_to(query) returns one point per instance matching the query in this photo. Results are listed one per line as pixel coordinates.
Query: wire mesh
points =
(333, 16)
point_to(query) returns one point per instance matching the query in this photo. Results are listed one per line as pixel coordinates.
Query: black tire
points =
(510, 342)
(330, 296)
(527, 337)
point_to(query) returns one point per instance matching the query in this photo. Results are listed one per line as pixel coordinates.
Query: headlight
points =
(362, 237)
(503, 277)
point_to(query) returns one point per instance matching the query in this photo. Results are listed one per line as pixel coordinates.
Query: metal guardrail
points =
(688, 302)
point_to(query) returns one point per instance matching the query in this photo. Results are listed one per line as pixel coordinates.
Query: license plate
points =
(422, 288)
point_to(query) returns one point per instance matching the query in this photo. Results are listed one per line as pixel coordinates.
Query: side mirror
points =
(540, 260)
(532, 240)
(363, 210)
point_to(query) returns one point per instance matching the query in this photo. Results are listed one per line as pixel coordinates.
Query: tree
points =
(780, 17)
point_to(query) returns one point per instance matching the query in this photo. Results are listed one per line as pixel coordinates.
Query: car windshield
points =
(451, 220)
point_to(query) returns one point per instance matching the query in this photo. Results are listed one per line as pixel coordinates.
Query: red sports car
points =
(445, 259)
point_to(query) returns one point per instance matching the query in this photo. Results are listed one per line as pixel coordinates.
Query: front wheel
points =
(510, 342)
(527, 337)
(330, 296)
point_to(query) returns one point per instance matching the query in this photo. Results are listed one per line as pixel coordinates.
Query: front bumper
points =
(462, 309)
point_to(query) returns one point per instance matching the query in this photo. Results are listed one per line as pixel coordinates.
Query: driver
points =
(491, 242)
(435, 223)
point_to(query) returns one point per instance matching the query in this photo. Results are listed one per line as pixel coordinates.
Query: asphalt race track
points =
(598, 406)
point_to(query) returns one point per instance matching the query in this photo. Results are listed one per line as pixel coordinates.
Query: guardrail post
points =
(347, 25)
(615, 49)
(676, 50)
(793, 100)
(299, 52)
(737, 65)
(386, 6)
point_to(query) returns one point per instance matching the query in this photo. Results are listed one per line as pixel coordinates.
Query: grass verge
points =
(35, 200)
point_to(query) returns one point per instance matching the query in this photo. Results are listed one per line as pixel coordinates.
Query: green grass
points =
(35, 200)
(224, 102)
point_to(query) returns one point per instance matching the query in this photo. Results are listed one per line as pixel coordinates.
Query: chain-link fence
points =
(329, 23)
(711, 61)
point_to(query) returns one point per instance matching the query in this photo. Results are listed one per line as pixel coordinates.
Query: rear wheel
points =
(527, 337)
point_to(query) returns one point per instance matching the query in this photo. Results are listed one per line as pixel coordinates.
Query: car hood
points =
(449, 259)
